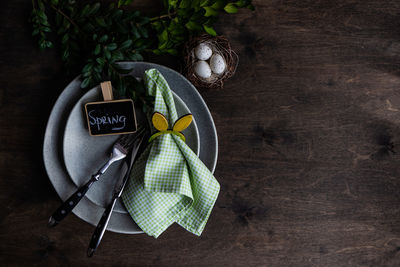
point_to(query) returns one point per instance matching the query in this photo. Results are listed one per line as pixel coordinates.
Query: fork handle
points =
(101, 228)
(71, 202)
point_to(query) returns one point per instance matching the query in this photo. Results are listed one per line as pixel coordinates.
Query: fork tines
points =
(126, 140)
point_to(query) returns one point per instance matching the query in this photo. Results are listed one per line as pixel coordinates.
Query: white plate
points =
(53, 141)
(85, 154)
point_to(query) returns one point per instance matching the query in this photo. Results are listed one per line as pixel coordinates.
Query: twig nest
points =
(209, 61)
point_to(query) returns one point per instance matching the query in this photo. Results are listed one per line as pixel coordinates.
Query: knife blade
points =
(118, 189)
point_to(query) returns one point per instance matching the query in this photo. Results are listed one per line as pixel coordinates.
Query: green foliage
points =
(124, 2)
(40, 25)
(95, 36)
(189, 17)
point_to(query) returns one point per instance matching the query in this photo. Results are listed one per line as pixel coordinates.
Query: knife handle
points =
(70, 203)
(101, 228)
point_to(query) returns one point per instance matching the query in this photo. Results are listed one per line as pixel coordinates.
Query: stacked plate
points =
(71, 155)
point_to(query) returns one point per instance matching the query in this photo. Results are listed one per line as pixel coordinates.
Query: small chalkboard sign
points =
(111, 117)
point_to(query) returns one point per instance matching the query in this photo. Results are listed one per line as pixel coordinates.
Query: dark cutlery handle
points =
(70, 203)
(101, 228)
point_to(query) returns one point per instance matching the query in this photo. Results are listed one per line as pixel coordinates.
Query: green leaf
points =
(143, 20)
(97, 78)
(219, 4)
(241, 3)
(103, 38)
(204, 3)
(87, 68)
(197, 16)
(101, 61)
(172, 3)
(45, 23)
(111, 46)
(135, 56)
(179, 30)
(85, 83)
(46, 29)
(65, 38)
(133, 15)
(117, 14)
(209, 30)
(41, 5)
(195, 3)
(184, 4)
(94, 8)
(42, 44)
(135, 32)
(86, 74)
(65, 54)
(97, 49)
(251, 7)
(143, 32)
(85, 10)
(172, 51)
(124, 2)
(100, 21)
(126, 44)
(210, 11)
(107, 53)
(116, 56)
(163, 37)
(42, 15)
(139, 43)
(157, 26)
(193, 26)
(231, 8)
(98, 68)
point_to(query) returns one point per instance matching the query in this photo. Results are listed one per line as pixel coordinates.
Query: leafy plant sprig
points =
(96, 36)
(40, 24)
(184, 18)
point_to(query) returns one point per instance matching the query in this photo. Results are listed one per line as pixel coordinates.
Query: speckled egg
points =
(217, 64)
(203, 51)
(202, 69)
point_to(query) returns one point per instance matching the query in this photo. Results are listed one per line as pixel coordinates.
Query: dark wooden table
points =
(309, 134)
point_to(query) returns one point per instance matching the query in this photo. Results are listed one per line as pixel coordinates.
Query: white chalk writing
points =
(116, 121)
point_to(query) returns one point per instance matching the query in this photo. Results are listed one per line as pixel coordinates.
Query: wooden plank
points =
(308, 145)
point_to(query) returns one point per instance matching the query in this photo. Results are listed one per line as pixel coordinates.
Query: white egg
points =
(217, 64)
(202, 69)
(203, 51)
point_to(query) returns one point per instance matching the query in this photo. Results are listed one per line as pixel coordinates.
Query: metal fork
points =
(119, 151)
(117, 192)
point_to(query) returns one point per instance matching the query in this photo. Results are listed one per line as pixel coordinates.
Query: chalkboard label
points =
(111, 117)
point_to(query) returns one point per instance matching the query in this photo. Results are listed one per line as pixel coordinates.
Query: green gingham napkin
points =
(169, 183)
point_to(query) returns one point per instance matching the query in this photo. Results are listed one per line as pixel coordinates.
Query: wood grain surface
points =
(309, 135)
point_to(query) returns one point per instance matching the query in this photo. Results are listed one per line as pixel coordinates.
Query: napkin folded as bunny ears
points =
(169, 183)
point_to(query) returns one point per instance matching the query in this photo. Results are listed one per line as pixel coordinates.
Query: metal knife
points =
(119, 187)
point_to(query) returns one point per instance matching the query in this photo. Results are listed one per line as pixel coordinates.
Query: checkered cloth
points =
(169, 183)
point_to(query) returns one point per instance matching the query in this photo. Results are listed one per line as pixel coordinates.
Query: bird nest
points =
(219, 45)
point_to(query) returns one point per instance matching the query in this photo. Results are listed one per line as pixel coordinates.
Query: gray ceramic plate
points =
(84, 154)
(53, 141)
